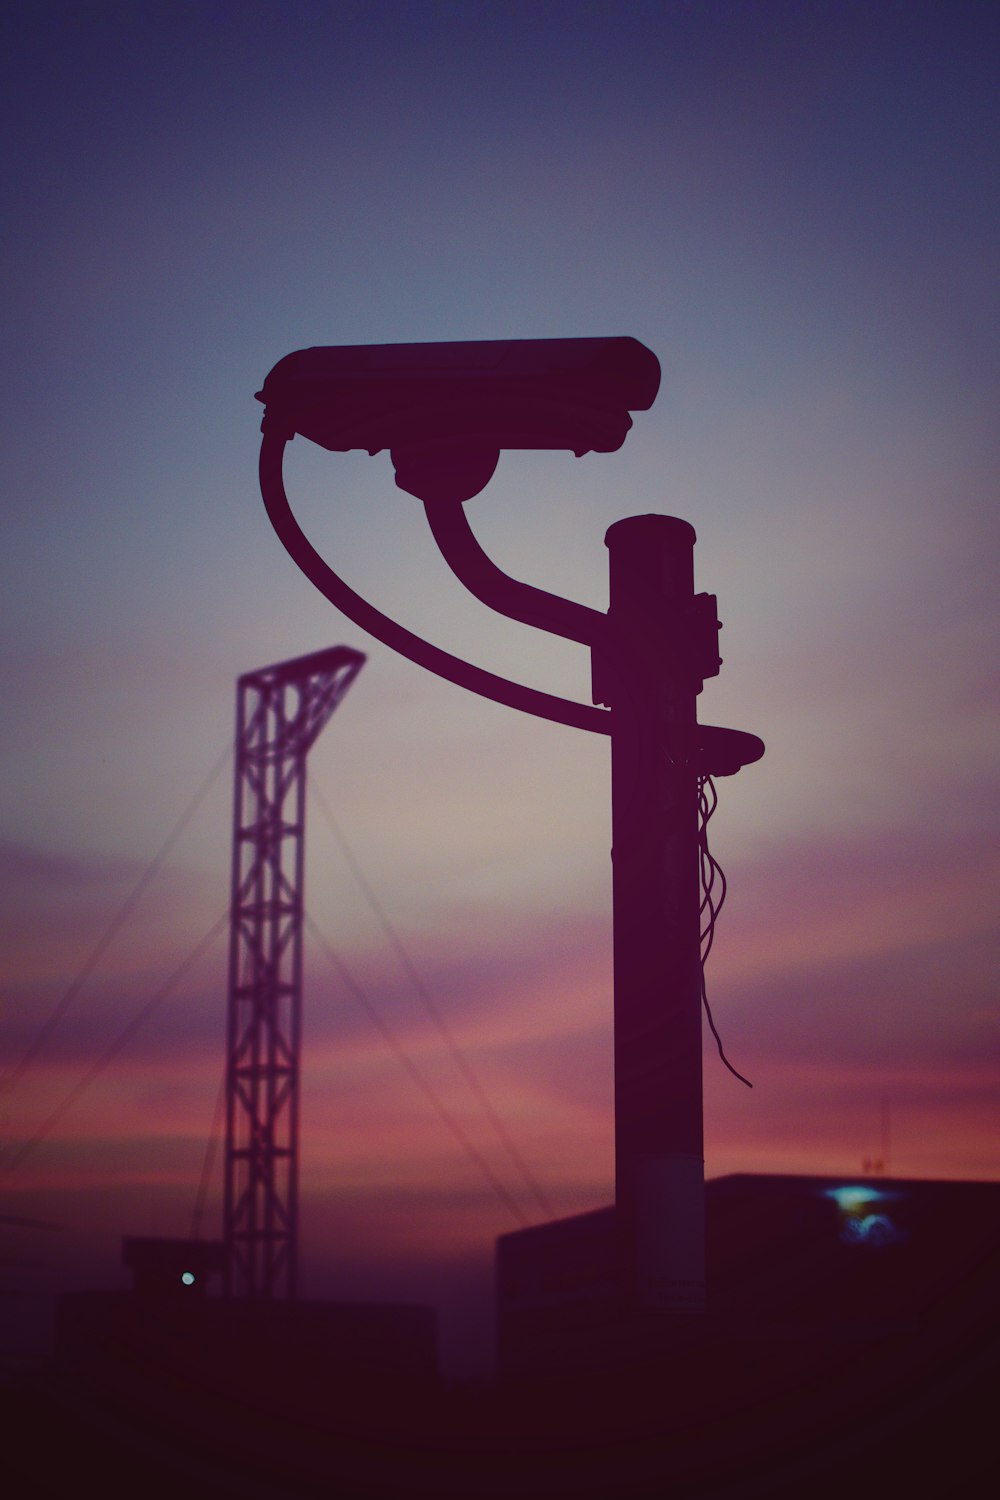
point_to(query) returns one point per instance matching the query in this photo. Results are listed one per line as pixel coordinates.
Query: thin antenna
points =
(885, 1135)
(878, 1166)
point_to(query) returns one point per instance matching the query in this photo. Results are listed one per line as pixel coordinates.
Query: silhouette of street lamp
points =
(445, 412)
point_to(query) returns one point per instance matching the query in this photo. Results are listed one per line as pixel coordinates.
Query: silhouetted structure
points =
(446, 411)
(788, 1257)
(851, 1348)
(195, 1394)
(173, 1269)
(280, 712)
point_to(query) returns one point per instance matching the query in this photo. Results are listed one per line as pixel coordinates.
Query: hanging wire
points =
(211, 1148)
(426, 1088)
(711, 874)
(116, 923)
(444, 1030)
(123, 1038)
(219, 1124)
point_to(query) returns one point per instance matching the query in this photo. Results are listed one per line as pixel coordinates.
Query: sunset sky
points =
(794, 205)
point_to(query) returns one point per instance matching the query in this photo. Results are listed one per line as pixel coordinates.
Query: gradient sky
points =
(794, 205)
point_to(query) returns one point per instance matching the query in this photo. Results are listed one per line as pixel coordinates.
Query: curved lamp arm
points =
(367, 617)
(520, 601)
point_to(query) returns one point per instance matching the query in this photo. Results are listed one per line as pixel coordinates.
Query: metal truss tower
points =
(280, 712)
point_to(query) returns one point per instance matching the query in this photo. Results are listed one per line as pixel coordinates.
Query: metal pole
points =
(652, 688)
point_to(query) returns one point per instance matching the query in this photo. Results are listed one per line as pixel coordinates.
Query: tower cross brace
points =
(280, 712)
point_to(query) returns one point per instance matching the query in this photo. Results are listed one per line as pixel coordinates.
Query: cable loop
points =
(710, 872)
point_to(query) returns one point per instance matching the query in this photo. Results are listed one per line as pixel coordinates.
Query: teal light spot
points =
(850, 1199)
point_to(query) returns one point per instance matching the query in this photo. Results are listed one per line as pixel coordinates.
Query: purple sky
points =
(795, 206)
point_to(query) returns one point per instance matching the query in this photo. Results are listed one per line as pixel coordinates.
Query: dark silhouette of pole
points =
(445, 411)
(649, 675)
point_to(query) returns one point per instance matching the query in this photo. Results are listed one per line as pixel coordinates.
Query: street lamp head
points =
(445, 411)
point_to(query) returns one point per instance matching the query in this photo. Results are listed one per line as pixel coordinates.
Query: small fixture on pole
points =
(445, 412)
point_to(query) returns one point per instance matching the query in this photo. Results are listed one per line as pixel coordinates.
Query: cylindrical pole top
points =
(652, 529)
(652, 565)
